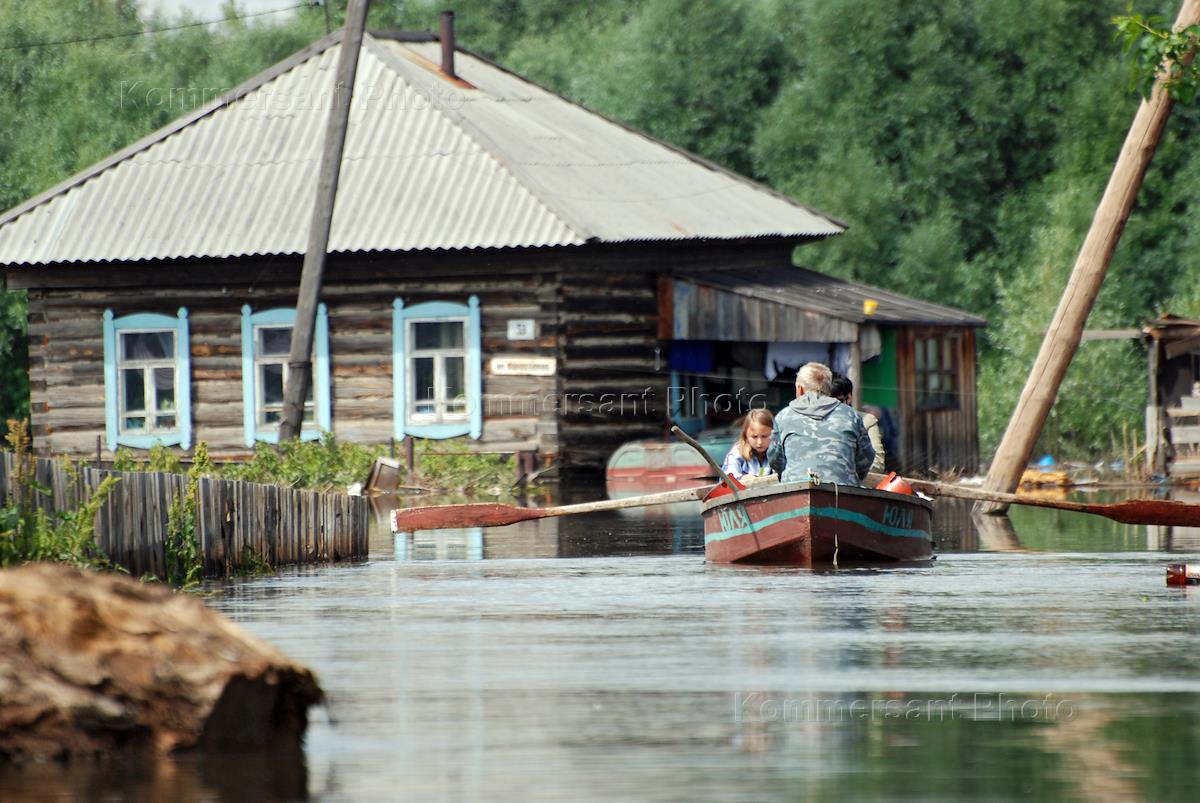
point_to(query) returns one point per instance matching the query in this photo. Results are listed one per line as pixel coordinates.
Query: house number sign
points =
(522, 329)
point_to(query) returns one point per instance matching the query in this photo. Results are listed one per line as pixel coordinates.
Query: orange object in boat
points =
(894, 483)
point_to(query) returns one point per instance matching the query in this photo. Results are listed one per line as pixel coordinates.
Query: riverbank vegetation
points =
(28, 533)
(449, 467)
(445, 467)
(965, 142)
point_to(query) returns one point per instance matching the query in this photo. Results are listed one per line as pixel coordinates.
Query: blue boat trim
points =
(841, 514)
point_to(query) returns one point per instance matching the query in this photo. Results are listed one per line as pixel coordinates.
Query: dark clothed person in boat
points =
(842, 389)
(816, 437)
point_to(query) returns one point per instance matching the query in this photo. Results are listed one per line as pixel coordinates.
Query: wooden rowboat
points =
(806, 524)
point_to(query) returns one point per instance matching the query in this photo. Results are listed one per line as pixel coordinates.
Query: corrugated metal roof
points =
(836, 298)
(428, 164)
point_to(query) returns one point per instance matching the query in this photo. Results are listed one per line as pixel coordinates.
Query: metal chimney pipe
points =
(447, 39)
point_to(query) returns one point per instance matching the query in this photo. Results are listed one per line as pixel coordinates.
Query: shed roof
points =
(831, 297)
(490, 161)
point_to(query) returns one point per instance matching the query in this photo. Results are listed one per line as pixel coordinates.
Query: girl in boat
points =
(747, 457)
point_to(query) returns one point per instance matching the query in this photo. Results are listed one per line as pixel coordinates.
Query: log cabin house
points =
(504, 266)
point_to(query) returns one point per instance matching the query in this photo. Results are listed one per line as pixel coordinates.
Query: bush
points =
(324, 465)
(451, 466)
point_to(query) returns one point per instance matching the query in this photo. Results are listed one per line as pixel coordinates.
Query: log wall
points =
(596, 310)
(67, 359)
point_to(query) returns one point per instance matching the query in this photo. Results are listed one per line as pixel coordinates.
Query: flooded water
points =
(600, 658)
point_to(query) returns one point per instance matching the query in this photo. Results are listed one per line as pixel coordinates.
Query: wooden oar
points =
(494, 514)
(1131, 511)
(733, 485)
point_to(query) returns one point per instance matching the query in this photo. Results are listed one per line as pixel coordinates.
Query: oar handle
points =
(690, 441)
(647, 500)
(491, 514)
(980, 495)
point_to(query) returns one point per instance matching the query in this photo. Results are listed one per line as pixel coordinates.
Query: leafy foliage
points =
(161, 458)
(181, 548)
(14, 356)
(318, 465)
(28, 533)
(1162, 52)
(451, 466)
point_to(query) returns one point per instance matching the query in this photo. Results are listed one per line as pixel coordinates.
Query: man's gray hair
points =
(814, 377)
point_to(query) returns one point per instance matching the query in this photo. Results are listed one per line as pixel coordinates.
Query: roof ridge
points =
(175, 126)
(415, 77)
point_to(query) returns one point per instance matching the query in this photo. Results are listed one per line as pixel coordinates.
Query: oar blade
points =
(1153, 511)
(441, 517)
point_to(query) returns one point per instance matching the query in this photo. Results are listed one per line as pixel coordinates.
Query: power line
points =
(131, 34)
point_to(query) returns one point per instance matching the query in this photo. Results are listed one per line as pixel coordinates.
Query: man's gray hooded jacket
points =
(819, 435)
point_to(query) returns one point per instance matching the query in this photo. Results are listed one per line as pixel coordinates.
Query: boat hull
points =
(802, 524)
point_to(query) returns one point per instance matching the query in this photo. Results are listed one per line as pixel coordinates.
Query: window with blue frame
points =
(266, 343)
(147, 380)
(436, 373)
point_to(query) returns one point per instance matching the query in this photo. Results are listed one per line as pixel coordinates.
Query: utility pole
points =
(300, 356)
(1066, 329)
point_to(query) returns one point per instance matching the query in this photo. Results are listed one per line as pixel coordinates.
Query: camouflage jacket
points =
(819, 434)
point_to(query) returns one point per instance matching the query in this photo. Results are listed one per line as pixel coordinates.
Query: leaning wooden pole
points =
(300, 356)
(1066, 328)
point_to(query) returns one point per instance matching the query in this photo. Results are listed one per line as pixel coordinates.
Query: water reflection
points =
(254, 777)
(465, 543)
(993, 675)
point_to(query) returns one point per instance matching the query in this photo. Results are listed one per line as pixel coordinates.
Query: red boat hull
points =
(802, 524)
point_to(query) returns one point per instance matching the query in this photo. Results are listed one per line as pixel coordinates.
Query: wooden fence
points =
(238, 523)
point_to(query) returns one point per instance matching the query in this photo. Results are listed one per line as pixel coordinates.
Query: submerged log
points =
(94, 664)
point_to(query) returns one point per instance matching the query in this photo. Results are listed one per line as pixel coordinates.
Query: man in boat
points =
(816, 437)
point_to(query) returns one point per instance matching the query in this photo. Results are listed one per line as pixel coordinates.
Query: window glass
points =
(272, 383)
(274, 341)
(147, 346)
(272, 380)
(456, 378)
(437, 364)
(146, 368)
(437, 335)
(935, 360)
(437, 378)
(686, 456)
(423, 379)
(164, 388)
(632, 458)
(135, 389)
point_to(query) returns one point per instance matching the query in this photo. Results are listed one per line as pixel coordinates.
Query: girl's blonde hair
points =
(760, 416)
